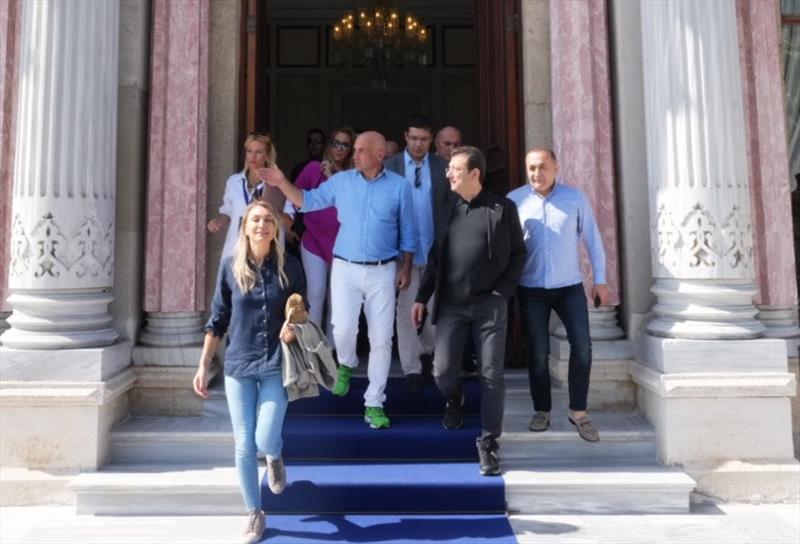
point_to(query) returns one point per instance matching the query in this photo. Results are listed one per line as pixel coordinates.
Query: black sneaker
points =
(413, 383)
(454, 413)
(488, 458)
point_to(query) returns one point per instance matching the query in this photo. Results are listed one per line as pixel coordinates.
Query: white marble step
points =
(518, 400)
(209, 439)
(622, 435)
(532, 487)
(173, 440)
(158, 489)
(619, 486)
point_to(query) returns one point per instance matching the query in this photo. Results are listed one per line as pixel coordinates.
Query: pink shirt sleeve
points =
(310, 176)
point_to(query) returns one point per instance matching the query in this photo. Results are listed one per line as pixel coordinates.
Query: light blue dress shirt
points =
(423, 206)
(376, 216)
(551, 227)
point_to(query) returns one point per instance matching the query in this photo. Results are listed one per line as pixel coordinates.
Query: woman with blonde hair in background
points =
(321, 227)
(252, 288)
(242, 187)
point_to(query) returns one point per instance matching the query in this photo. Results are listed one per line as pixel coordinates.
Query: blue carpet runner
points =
(415, 482)
(396, 529)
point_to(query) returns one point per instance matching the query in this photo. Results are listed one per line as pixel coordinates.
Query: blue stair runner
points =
(415, 482)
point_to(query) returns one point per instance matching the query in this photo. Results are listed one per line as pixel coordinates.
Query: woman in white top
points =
(242, 187)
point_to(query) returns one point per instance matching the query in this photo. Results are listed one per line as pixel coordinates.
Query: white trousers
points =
(319, 296)
(373, 286)
(411, 345)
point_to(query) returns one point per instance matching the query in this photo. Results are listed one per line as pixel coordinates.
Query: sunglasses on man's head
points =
(338, 144)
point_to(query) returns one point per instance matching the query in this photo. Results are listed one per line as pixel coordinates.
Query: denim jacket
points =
(253, 320)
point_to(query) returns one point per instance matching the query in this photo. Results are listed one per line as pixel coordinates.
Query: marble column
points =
(62, 221)
(170, 344)
(10, 18)
(716, 392)
(583, 142)
(760, 39)
(63, 375)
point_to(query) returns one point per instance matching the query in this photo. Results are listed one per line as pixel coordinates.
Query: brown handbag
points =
(296, 309)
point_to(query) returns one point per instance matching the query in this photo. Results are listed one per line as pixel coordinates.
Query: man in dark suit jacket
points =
(473, 268)
(425, 172)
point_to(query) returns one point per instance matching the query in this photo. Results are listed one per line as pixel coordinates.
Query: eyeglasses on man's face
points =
(338, 144)
(455, 169)
(315, 141)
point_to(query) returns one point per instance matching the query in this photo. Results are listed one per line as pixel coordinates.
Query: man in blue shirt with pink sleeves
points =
(554, 218)
(372, 257)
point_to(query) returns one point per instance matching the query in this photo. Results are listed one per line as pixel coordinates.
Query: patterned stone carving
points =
(700, 240)
(737, 236)
(20, 249)
(669, 238)
(47, 251)
(701, 232)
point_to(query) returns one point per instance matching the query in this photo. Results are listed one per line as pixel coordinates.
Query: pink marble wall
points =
(582, 133)
(176, 198)
(10, 28)
(765, 122)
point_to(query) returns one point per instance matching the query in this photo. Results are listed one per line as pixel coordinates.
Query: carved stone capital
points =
(68, 250)
(702, 241)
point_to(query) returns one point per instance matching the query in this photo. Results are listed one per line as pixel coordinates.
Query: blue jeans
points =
(569, 304)
(257, 406)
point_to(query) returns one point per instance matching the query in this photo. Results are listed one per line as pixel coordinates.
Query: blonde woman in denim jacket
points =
(251, 293)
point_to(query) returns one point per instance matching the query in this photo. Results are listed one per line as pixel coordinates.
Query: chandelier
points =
(378, 37)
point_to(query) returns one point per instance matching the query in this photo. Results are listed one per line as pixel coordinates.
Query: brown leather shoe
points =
(586, 430)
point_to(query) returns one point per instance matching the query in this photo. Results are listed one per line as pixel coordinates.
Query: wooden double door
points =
(498, 73)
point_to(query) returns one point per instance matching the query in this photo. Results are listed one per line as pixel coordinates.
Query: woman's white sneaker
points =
(276, 475)
(256, 523)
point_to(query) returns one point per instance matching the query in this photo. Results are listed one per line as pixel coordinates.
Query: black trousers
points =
(485, 323)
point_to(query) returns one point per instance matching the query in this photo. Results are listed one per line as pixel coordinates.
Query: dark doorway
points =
(290, 80)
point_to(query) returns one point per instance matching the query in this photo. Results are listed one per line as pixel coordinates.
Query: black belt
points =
(366, 263)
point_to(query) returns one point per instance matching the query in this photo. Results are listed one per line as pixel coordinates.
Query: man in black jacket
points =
(473, 267)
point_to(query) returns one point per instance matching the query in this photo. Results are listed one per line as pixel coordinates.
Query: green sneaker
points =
(376, 418)
(342, 385)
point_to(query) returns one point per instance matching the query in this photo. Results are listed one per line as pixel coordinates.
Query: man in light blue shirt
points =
(376, 216)
(425, 174)
(555, 218)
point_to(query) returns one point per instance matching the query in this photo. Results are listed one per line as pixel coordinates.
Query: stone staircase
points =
(184, 465)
